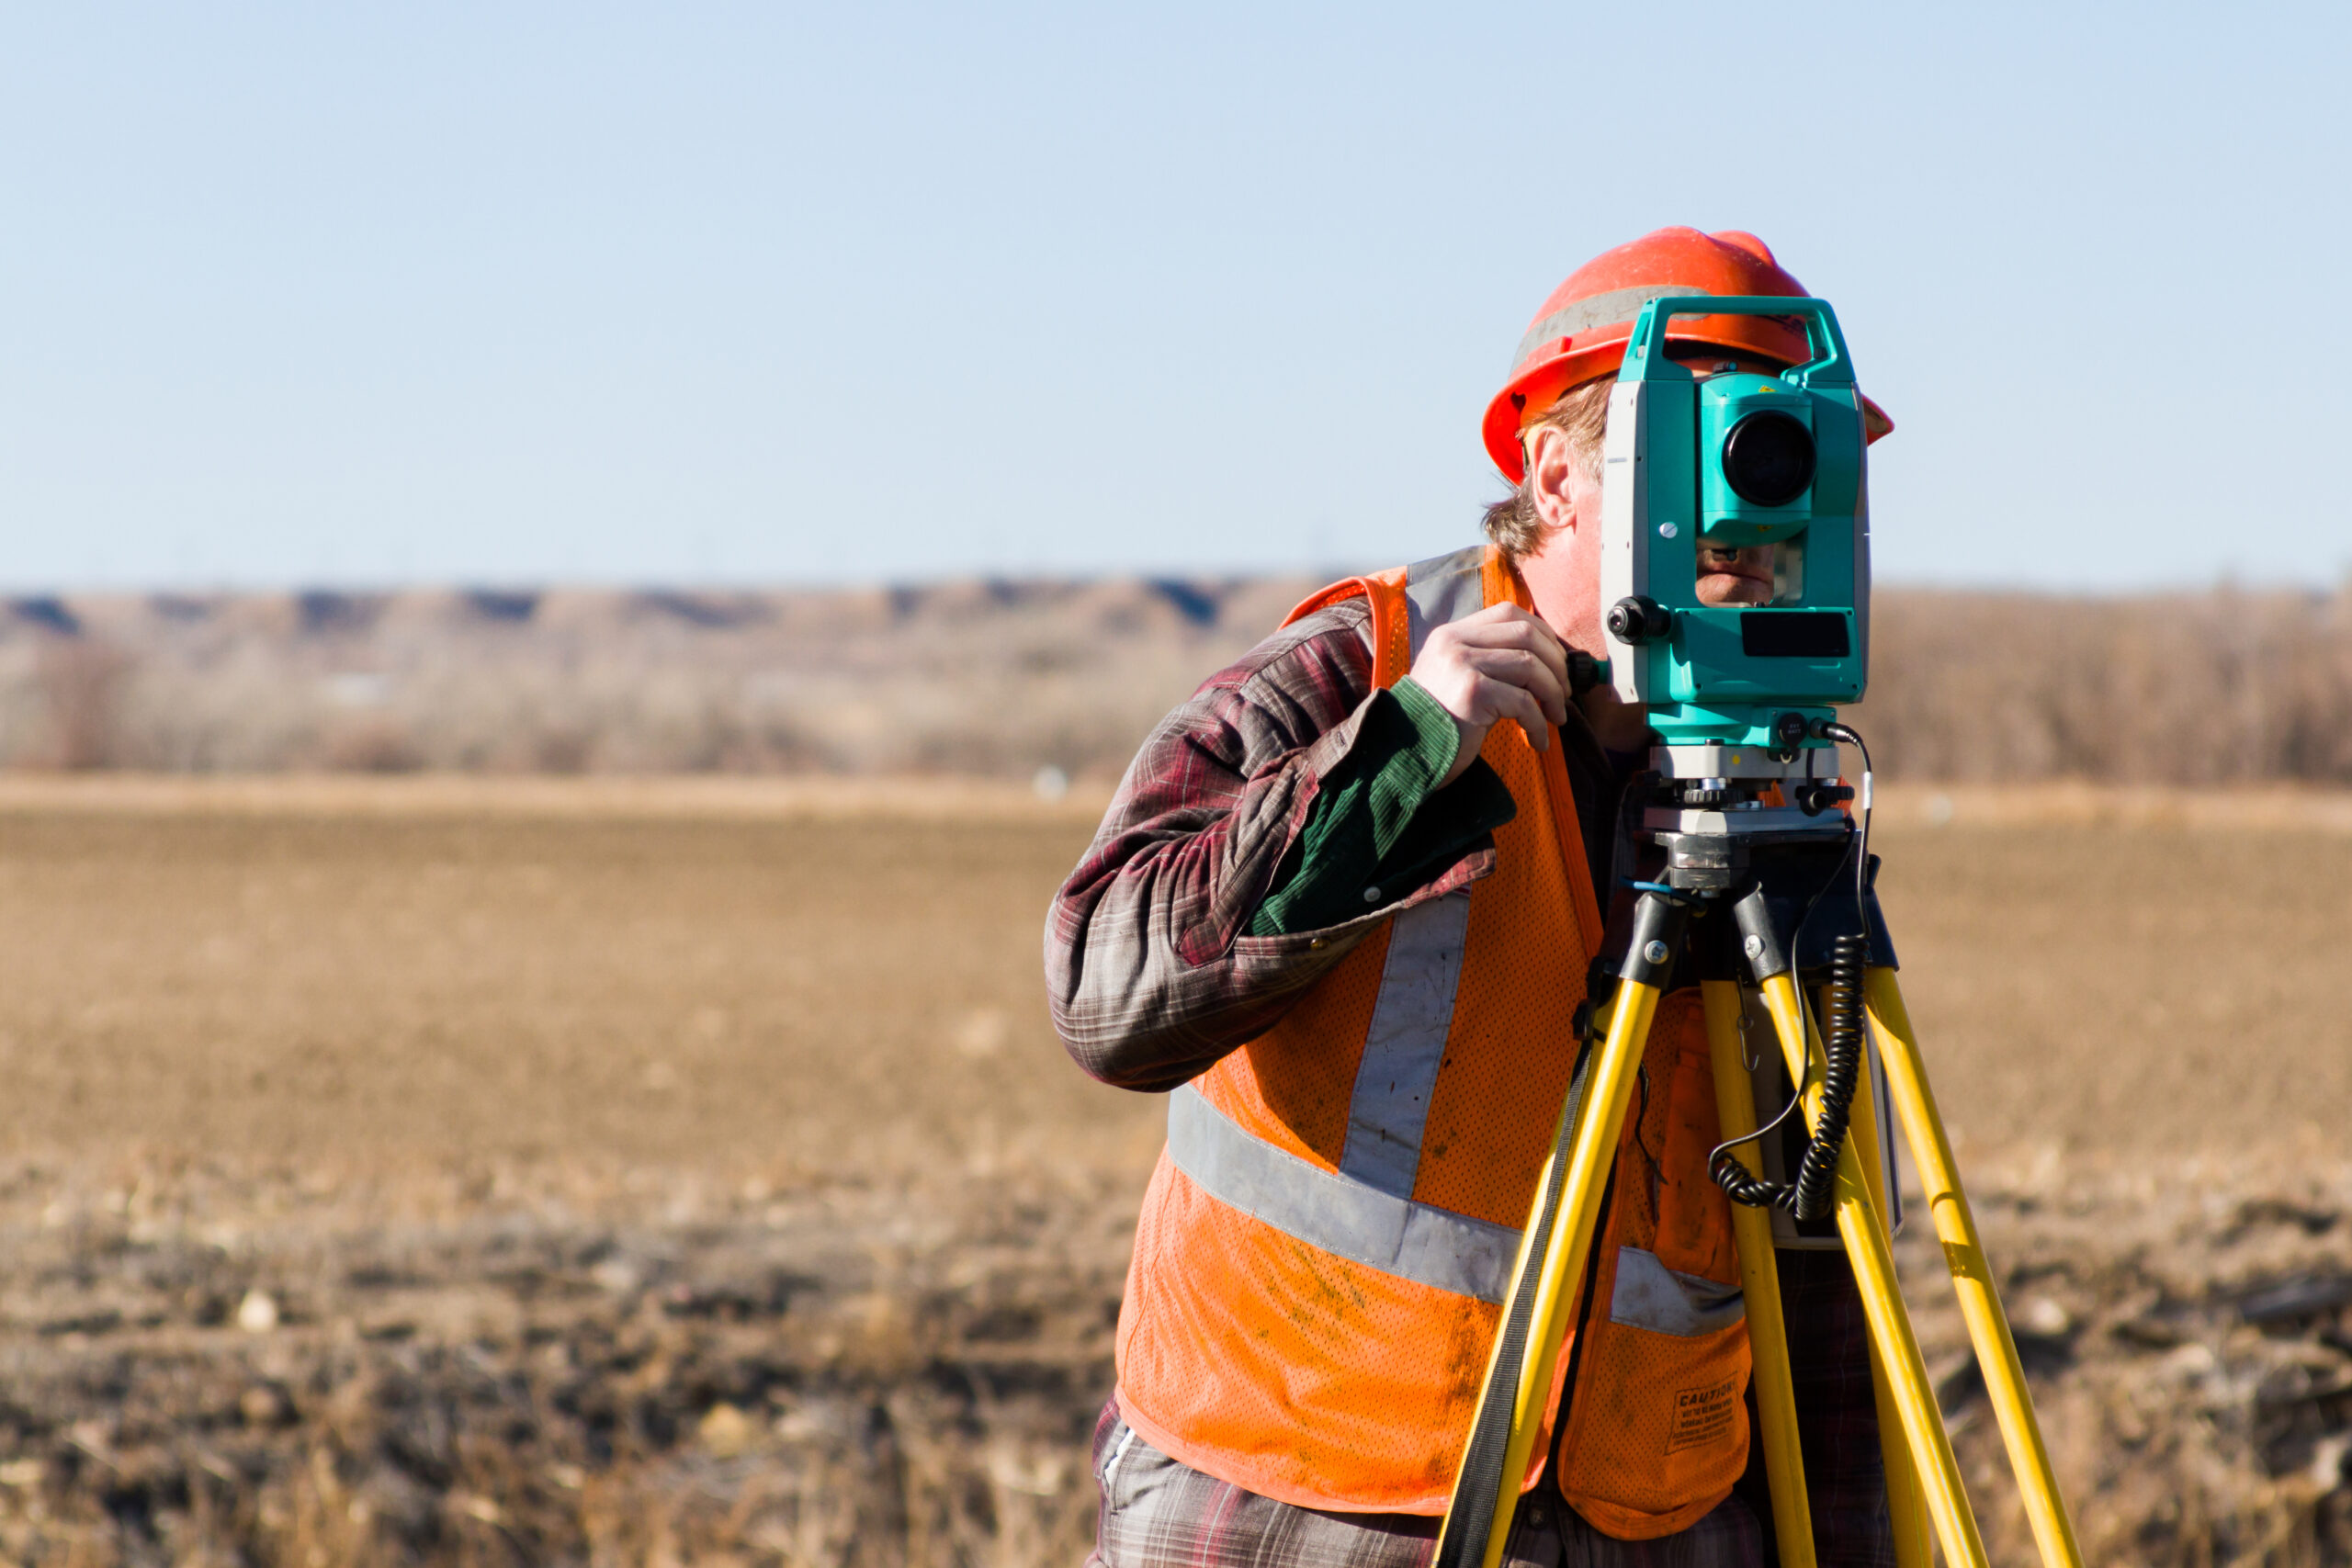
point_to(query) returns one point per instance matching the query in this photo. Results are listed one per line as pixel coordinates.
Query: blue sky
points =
(709, 293)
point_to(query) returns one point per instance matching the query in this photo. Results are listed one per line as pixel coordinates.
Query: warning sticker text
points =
(1702, 1414)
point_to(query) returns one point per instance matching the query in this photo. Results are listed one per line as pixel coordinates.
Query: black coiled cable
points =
(1812, 1194)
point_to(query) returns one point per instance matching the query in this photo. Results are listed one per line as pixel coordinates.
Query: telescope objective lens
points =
(1768, 458)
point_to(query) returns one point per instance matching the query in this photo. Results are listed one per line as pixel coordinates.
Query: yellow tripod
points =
(1763, 934)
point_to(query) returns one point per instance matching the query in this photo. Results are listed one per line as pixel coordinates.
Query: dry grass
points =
(649, 1175)
(686, 1172)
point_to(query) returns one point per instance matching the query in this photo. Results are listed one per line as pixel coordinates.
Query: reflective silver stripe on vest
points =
(1406, 1044)
(1443, 590)
(1650, 1295)
(1429, 1246)
(1365, 1211)
(1599, 310)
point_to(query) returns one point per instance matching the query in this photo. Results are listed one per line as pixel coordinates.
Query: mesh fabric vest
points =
(1329, 1232)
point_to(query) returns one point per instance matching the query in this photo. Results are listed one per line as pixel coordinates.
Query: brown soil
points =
(670, 1175)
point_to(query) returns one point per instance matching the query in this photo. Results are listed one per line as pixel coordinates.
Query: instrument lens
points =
(1768, 458)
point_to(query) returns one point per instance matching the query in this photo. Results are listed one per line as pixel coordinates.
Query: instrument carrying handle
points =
(1830, 366)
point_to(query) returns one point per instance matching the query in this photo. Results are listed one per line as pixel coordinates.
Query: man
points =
(1343, 907)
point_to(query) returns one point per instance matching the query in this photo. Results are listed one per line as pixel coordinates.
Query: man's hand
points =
(1500, 663)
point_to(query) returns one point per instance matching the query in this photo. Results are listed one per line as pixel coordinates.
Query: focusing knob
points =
(1585, 672)
(1638, 619)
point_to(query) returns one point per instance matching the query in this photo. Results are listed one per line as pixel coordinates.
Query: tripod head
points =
(1744, 697)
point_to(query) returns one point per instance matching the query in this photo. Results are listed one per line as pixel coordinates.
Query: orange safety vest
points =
(1330, 1231)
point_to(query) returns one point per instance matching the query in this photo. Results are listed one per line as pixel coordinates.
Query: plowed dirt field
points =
(409, 1171)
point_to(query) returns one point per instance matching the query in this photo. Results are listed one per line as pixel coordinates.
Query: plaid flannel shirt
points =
(1149, 969)
(1152, 977)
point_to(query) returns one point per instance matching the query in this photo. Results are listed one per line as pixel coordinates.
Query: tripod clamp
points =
(1711, 807)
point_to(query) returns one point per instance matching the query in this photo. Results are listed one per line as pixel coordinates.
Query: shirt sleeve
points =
(1381, 823)
(1152, 972)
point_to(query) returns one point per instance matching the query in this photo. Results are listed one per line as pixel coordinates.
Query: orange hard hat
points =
(1581, 332)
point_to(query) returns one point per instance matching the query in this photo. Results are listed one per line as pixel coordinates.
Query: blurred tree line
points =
(1010, 678)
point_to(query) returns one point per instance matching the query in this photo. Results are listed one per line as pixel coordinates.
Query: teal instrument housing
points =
(1724, 675)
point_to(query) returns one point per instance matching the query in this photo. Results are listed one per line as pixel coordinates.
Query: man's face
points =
(1735, 576)
(1564, 574)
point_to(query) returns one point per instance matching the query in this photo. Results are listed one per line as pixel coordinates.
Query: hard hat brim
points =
(1549, 375)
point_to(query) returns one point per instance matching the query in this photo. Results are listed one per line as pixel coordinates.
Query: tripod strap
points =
(1478, 1489)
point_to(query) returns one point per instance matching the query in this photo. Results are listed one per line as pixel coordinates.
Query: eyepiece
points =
(1639, 619)
(1768, 458)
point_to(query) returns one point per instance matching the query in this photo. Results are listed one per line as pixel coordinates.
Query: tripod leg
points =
(1980, 1305)
(1873, 1261)
(1907, 1505)
(1759, 1280)
(1558, 1244)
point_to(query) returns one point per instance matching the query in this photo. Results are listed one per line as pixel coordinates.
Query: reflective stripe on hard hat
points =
(1601, 310)
(1418, 1242)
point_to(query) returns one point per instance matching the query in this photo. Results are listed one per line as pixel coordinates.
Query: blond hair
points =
(1582, 412)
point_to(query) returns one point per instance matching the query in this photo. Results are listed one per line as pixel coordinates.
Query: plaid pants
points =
(1159, 1513)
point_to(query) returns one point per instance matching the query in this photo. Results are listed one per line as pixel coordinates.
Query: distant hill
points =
(989, 677)
(1008, 678)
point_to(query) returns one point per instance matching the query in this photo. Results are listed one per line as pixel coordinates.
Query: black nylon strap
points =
(1461, 1544)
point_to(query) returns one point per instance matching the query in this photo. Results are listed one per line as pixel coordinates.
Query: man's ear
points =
(1551, 476)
